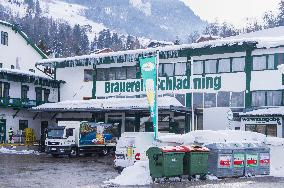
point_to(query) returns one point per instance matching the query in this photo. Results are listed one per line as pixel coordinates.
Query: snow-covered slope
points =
(58, 10)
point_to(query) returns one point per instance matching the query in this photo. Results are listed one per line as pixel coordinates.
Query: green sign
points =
(251, 160)
(149, 75)
(165, 84)
(239, 160)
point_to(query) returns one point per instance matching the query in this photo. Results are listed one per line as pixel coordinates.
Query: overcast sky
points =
(232, 11)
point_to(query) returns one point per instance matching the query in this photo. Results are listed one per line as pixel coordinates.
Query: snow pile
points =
(277, 162)
(208, 136)
(138, 174)
(20, 152)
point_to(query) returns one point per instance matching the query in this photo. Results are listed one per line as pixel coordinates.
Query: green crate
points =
(165, 164)
(195, 163)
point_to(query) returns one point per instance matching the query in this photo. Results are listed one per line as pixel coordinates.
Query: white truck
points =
(80, 137)
(132, 146)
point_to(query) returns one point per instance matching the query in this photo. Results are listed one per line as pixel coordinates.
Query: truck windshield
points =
(55, 133)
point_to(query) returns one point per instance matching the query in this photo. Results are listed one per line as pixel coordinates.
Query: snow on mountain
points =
(58, 10)
(71, 13)
(145, 19)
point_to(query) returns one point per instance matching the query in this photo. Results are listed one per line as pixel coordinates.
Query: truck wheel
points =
(73, 152)
(104, 152)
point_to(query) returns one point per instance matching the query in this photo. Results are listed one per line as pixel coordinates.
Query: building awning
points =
(110, 104)
(265, 112)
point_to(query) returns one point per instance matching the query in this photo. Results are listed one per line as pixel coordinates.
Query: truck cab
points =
(62, 140)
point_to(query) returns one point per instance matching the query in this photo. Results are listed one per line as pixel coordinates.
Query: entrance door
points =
(43, 132)
(118, 120)
(2, 130)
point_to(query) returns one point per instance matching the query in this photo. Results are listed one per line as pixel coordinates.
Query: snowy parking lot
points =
(45, 171)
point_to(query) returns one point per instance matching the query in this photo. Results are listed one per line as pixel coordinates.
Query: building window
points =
(224, 65)
(238, 64)
(266, 98)
(131, 72)
(38, 94)
(270, 62)
(268, 130)
(88, 75)
(180, 69)
(1, 65)
(4, 89)
(223, 99)
(120, 73)
(258, 98)
(46, 95)
(111, 74)
(180, 98)
(24, 92)
(279, 59)
(101, 74)
(23, 124)
(237, 99)
(209, 100)
(211, 66)
(4, 38)
(168, 69)
(197, 67)
(12, 67)
(259, 63)
(198, 100)
(274, 98)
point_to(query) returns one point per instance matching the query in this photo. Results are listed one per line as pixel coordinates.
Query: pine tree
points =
(281, 14)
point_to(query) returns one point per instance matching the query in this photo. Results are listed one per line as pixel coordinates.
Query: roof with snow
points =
(265, 112)
(29, 41)
(109, 104)
(268, 38)
(24, 73)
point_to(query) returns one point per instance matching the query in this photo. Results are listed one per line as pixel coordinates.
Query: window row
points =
(4, 38)
(220, 99)
(267, 62)
(42, 94)
(219, 66)
(115, 73)
(267, 98)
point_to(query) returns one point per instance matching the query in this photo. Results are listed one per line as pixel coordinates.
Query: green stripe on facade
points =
(248, 68)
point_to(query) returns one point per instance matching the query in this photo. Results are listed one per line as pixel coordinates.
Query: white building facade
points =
(237, 74)
(22, 86)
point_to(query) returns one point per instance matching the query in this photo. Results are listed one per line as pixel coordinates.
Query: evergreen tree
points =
(281, 14)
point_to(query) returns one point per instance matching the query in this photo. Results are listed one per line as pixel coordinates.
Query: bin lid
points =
(174, 149)
(195, 148)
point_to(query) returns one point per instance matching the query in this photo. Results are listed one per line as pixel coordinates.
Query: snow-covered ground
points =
(139, 174)
(13, 150)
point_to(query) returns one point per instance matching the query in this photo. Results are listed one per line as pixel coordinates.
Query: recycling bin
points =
(220, 160)
(264, 160)
(165, 162)
(252, 159)
(195, 161)
(239, 153)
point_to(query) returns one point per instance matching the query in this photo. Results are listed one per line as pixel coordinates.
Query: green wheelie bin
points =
(165, 162)
(195, 161)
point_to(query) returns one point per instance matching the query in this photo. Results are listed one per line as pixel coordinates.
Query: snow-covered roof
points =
(24, 35)
(108, 104)
(25, 73)
(264, 111)
(267, 38)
